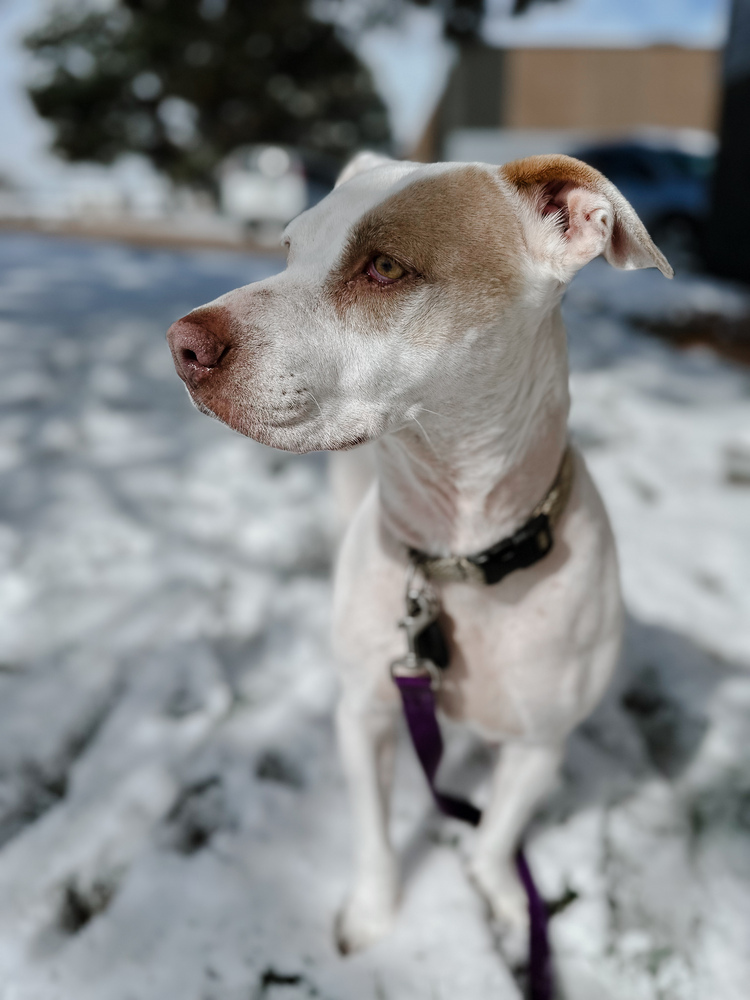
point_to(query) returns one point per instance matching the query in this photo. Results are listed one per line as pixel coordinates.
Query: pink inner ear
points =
(582, 215)
(555, 201)
(585, 217)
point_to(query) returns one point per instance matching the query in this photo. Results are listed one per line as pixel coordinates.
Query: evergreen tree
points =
(186, 81)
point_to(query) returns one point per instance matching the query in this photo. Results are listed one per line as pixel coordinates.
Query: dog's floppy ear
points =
(572, 214)
(360, 164)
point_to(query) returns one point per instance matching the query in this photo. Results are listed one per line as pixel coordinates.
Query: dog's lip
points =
(197, 373)
(292, 419)
(347, 445)
(306, 446)
(270, 416)
(263, 421)
(265, 418)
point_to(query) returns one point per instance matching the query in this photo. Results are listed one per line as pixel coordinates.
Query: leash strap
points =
(421, 718)
(417, 676)
(418, 699)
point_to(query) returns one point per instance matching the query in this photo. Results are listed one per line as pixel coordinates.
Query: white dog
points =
(420, 309)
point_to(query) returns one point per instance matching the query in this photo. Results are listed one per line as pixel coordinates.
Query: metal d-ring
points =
(424, 602)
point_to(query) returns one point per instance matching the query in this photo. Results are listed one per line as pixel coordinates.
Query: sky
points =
(611, 23)
(410, 63)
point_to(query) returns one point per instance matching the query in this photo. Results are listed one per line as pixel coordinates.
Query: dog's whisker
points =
(426, 437)
(320, 411)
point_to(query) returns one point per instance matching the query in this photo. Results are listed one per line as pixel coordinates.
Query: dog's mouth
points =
(296, 431)
(348, 445)
(250, 420)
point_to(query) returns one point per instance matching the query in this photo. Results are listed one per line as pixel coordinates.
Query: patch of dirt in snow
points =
(728, 336)
(172, 812)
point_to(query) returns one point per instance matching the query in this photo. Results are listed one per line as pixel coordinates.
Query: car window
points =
(621, 164)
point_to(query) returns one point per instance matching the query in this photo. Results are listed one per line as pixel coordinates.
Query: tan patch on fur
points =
(458, 239)
(540, 170)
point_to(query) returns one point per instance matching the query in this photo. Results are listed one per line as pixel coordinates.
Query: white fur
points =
(468, 434)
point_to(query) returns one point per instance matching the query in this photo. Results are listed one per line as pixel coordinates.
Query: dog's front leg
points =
(367, 739)
(525, 773)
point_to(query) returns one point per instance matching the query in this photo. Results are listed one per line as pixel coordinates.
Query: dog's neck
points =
(457, 481)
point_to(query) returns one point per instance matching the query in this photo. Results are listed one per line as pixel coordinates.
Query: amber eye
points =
(387, 267)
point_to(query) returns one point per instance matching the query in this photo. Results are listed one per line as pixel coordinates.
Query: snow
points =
(173, 820)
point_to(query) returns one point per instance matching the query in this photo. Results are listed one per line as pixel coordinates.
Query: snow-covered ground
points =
(173, 821)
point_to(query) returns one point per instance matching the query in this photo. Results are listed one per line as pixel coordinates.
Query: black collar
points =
(526, 546)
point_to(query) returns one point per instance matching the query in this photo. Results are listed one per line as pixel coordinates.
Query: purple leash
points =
(417, 674)
(414, 679)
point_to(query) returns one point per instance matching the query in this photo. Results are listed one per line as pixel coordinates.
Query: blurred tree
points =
(186, 81)
(728, 237)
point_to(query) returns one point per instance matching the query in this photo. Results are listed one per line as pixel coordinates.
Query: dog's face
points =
(396, 286)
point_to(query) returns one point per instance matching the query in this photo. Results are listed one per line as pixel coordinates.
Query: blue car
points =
(670, 189)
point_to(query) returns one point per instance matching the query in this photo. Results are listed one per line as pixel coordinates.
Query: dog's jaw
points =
(294, 435)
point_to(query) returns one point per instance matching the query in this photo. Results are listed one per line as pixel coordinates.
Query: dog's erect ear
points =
(360, 164)
(573, 214)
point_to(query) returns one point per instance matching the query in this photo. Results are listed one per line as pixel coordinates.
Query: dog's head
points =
(399, 287)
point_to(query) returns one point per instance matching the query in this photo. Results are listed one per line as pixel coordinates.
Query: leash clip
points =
(414, 667)
(422, 609)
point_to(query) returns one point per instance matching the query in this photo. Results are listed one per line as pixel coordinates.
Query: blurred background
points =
(173, 821)
(221, 120)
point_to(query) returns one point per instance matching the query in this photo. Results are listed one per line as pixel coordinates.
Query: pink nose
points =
(196, 348)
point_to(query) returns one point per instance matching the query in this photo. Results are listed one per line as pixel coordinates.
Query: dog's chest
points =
(508, 667)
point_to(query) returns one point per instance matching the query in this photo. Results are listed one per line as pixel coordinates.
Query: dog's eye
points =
(385, 268)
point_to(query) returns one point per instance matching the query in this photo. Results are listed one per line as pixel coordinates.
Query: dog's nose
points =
(197, 348)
